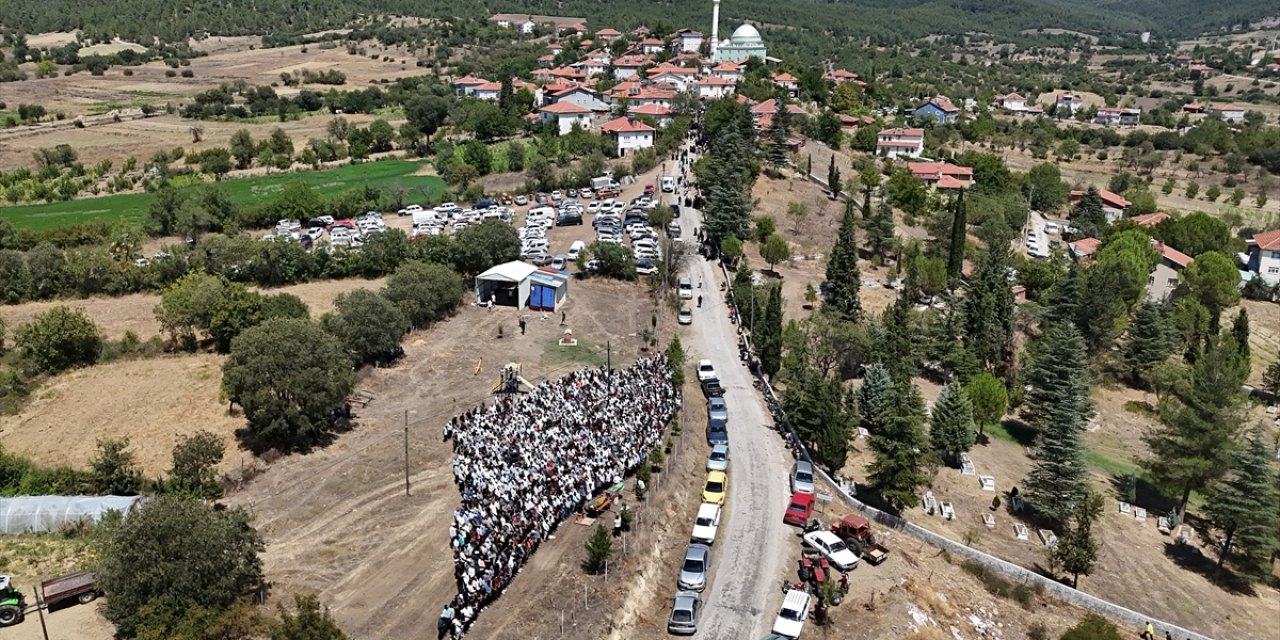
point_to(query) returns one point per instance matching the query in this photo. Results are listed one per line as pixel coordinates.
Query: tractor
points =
(856, 532)
(12, 603)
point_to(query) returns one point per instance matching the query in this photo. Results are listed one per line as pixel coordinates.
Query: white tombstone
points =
(1048, 538)
(948, 511)
(1020, 531)
(989, 519)
(1140, 514)
(1125, 507)
(988, 483)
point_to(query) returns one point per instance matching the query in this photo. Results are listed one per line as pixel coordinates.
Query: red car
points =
(799, 510)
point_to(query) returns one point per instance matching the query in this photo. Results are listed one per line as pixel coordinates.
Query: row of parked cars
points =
(346, 233)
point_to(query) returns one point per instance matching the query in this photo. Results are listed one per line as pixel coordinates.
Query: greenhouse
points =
(35, 514)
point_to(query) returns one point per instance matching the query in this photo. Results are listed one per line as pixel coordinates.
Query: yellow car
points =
(717, 485)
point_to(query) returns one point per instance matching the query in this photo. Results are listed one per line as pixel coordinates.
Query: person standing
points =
(445, 625)
(522, 326)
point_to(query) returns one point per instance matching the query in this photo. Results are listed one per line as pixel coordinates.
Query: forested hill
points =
(883, 20)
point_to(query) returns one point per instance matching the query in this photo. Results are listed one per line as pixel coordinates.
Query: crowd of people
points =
(526, 463)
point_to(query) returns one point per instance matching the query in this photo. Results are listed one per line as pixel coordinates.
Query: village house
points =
(1165, 278)
(715, 87)
(564, 115)
(681, 78)
(487, 91)
(1149, 220)
(546, 61)
(1229, 113)
(1125, 116)
(1182, 60)
(1067, 104)
(627, 67)
(466, 85)
(655, 112)
(1202, 70)
(1114, 205)
(581, 96)
(1013, 102)
(555, 49)
(1262, 256)
(769, 108)
(942, 175)
(686, 41)
(1084, 248)
(939, 109)
(629, 134)
(608, 35)
(900, 143)
(731, 71)
(651, 46)
(849, 123)
(841, 76)
(787, 82)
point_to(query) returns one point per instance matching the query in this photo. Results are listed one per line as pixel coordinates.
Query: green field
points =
(132, 207)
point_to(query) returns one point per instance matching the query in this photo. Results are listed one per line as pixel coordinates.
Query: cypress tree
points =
(951, 423)
(1199, 421)
(843, 277)
(1058, 406)
(900, 446)
(988, 309)
(770, 332)
(1240, 331)
(1149, 342)
(1077, 550)
(880, 231)
(896, 344)
(833, 177)
(870, 179)
(876, 383)
(955, 252)
(1243, 505)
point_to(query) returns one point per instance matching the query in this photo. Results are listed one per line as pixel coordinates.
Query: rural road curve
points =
(753, 542)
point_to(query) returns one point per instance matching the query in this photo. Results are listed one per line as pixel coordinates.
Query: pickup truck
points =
(711, 388)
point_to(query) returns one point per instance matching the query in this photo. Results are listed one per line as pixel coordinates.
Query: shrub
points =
(599, 549)
(59, 339)
(1093, 627)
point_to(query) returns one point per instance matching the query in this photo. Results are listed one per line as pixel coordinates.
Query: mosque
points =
(744, 43)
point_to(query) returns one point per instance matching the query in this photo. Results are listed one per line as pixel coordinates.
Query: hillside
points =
(141, 20)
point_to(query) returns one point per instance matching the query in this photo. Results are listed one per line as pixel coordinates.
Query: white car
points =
(719, 458)
(593, 208)
(706, 523)
(685, 288)
(706, 370)
(686, 316)
(833, 548)
(791, 617)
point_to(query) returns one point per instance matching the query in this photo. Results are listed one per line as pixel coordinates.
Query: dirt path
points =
(753, 542)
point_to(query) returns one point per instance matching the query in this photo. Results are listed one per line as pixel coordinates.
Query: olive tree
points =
(59, 339)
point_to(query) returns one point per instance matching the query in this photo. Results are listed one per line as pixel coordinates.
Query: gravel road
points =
(743, 597)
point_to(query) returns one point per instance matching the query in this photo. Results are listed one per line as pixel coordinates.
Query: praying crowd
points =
(526, 463)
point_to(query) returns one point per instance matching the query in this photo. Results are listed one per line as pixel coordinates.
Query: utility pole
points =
(406, 452)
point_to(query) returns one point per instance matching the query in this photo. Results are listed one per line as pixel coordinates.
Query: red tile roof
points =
(1108, 198)
(906, 144)
(714, 81)
(651, 109)
(1012, 96)
(608, 33)
(1151, 219)
(1086, 247)
(1268, 240)
(651, 42)
(727, 67)
(625, 125)
(466, 81)
(1220, 106)
(947, 182)
(488, 86)
(907, 133)
(937, 170)
(784, 77)
(1172, 255)
(942, 102)
(564, 108)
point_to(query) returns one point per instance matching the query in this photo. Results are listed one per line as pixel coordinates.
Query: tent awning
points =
(514, 271)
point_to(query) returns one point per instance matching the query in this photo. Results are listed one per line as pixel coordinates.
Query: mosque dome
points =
(746, 35)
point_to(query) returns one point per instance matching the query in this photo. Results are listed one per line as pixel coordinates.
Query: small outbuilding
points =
(507, 284)
(549, 289)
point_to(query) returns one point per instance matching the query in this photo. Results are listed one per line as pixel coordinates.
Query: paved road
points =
(743, 597)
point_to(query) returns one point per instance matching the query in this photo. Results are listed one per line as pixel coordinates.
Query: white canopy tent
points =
(506, 284)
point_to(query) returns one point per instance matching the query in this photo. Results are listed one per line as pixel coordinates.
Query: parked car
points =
(799, 509)
(706, 523)
(719, 458)
(711, 388)
(717, 411)
(705, 370)
(685, 289)
(685, 316)
(522, 200)
(833, 548)
(802, 477)
(568, 218)
(675, 211)
(647, 268)
(560, 263)
(685, 612)
(717, 434)
(716, 487)
(695, 567)
(794, 611)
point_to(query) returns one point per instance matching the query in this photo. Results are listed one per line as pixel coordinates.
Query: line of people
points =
(525, 464)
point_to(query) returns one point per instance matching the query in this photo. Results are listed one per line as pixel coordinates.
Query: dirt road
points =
(753, 544)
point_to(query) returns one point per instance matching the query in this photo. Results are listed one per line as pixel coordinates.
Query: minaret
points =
(715, 28)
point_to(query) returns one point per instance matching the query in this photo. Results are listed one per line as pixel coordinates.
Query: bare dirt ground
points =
(136, 312)
(150, 401)
(32, 558)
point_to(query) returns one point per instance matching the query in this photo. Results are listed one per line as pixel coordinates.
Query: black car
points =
(569, 218)
(675, 211)
(717, 434)
(711, 388)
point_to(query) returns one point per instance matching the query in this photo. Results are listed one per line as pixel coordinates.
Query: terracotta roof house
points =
(660, 114)
(1113, 205)
(900, 143)
(942, 175)
(1165, 278)
(564, 115)
(629, 134)
(1262, 258)
(608, 34)
(1232, 113)
(938, 109)
(1150, 220)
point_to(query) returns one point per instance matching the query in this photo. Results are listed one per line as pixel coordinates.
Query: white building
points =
(1263, 257)
(687, 41)
(630, 134)
(744, 43)
(714, 87)
(564, 115)
(1232, 113)
(900, 143)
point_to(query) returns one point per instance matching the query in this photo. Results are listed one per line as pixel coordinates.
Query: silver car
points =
(802, 477)
(717, 411)
(694, 568)
(685, 613)
(719, 458)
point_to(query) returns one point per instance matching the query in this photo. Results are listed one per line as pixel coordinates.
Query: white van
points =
(576, 249)
(668, 184)
(791, 617)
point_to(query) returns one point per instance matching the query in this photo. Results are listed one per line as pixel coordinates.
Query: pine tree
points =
(599, 548)
(900, 446)
(951, 423)
(895, 346)
(880, 231)
(1063, 300)
(955, 251)
(990, 400)
(843, 277)
(1243, 505)
(1271, 380)
(1058, 406)
(1198, 421)
(943, 345)
(876, 384)
(1240, 331)
(988, 310)
(822, 414)
(779, 132)
(833, 177)
(1088, 215)
(1149, 342)
(770, 333)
